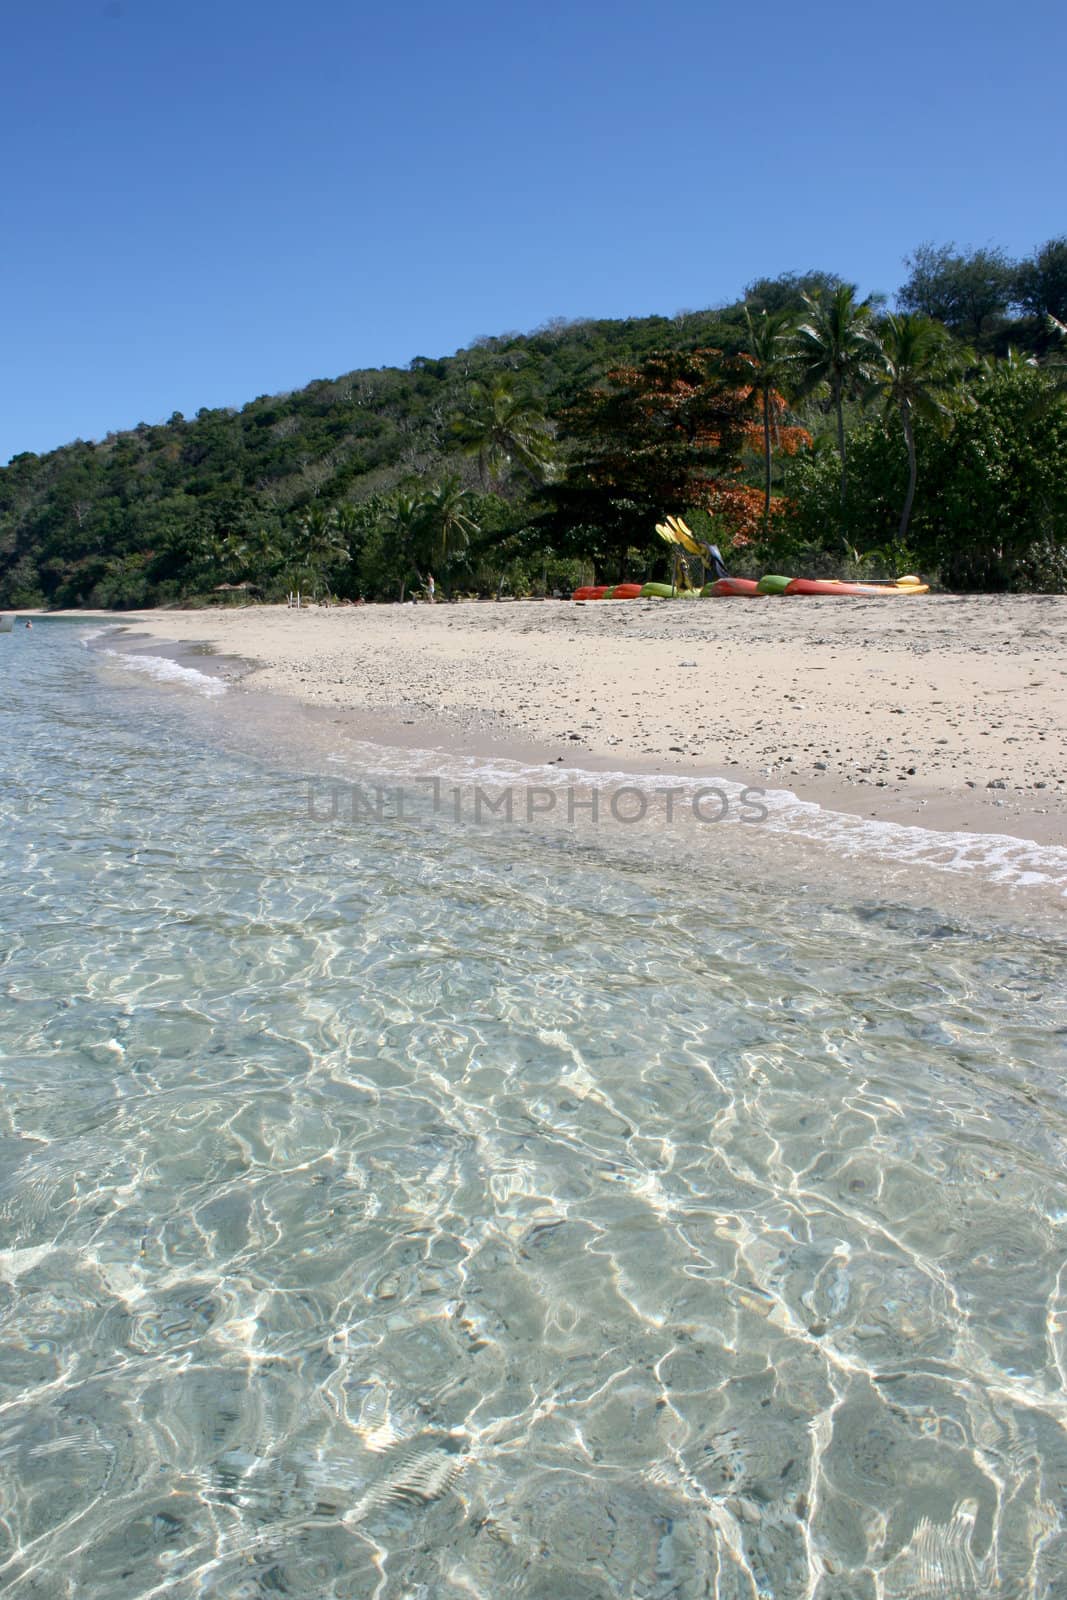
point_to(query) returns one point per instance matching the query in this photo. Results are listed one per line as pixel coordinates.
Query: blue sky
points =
(214, 199)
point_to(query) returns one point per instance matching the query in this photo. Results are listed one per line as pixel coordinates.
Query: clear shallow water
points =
(401, 1210)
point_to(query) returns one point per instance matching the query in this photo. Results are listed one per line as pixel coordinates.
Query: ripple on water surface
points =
(398, 1211)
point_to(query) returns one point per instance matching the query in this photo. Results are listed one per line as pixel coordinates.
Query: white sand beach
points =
(948, 711)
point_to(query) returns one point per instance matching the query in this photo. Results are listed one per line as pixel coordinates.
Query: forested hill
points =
(360, 483)
(148, 515)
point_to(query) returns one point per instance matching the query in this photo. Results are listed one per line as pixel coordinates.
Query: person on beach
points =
(429, 587)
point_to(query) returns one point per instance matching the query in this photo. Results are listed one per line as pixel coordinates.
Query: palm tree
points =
(770, 345)
(247, 559)
(445, 515)
(919, 379)
(320, 546)
(836, 349)
(398, 521)
(503, 429)
(350, 521)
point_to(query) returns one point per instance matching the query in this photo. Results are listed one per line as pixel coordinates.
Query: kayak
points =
(667, 591)
(625, 591)
(609, 591)
(771, 583)
(729, 586)
(658, 591)
(867, 591)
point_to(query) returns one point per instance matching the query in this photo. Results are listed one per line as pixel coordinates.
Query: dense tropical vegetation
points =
(803, 427)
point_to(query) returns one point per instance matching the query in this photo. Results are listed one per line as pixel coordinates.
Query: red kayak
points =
(727, 586)
(608, 591)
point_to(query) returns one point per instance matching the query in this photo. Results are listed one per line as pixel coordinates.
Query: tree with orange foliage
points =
(650, 440)
(746, 511)
(740, 507)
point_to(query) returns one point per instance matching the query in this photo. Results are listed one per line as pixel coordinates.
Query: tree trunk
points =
(913, 470)
(841, 453)
(838, 407)
(766, 459)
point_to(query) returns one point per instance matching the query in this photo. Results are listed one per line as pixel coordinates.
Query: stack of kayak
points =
(684, 543)
(773, 583)
(620, 591)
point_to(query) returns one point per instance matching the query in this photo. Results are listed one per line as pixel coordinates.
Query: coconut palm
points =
(446, 519)
(836, 350)
(318, 547)
(770, 345)
(400, 523)
(919, 378)
(504, 429)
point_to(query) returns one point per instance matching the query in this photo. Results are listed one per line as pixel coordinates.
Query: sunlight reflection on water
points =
(404, 1209)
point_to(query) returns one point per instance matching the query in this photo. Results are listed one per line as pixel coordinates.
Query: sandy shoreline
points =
(941, 711)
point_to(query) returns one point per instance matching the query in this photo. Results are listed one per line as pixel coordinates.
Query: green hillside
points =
(474, 463)
(159, 513)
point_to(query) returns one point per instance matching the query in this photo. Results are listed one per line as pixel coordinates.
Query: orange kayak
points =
(870, 591)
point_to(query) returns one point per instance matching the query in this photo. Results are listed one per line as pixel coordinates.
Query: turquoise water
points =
(399, 1209)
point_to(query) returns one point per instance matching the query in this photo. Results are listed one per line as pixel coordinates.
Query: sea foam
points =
(166, 671)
